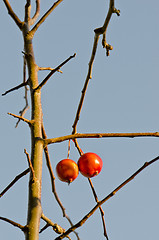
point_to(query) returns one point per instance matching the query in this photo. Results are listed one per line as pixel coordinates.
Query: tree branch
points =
(16, 88)
(21, 118)
(30, 165)
(37, 12)
(23, 111)
(43, 18)
(13, 15)
(48, 68)
(23, 228)
(100, 208)
(81, 222)
(58, 229)
(53, 71)
(89, 76)
(100, 135)
(103, 29)
(14, 181)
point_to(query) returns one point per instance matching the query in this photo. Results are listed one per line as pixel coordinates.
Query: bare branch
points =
(23, 228)
(58, 229)
(89, 76)
(26, 107)
(81, 222)
(100, 208)
(102, 30)
(21, 118)
(53, 71)
(48, 68)
(43, 18)
(30, 165)
(16, 88)
(100, 135)
(14, 181)
(37, 12)
(13, 15)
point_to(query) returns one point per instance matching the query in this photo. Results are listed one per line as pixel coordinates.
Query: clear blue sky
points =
(122, 97)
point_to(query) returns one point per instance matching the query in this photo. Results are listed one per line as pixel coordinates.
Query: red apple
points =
(67, 170)
(90, 164)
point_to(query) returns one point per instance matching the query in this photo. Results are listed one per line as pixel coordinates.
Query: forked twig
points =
(14, 181)
(43, 18)
(88, 215)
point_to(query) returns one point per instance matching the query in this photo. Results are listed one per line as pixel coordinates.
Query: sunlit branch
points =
(43, 18)
(85, 218)
(58, 229)
(48, 68)
(23, 228)
(100, 135)
(14, 181)
(37, 12)
(21, 118)
(13, 15)
(53, 71)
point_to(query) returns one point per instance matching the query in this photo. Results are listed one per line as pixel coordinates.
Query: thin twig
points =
(15, 224)
(37, 12)
(100, 208)
(100, 135)
(103, 29)
(30, 165)
(16, 88)
(26, 107)
(85, 218)
(48, 68)
(13, 15)
(58, 229)
(14, 181)
(89, 76)
(21, 118)
(43, 18)
(53, 71)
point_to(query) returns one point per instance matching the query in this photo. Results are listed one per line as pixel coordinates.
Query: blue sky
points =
(122, 97)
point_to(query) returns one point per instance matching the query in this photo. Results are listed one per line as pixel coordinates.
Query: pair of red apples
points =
(89, 165)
